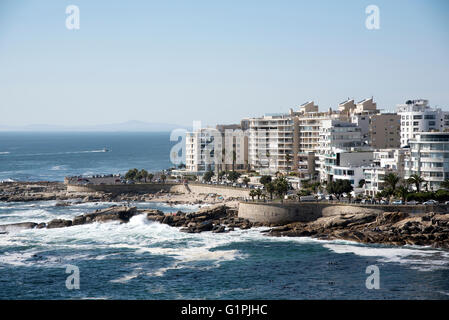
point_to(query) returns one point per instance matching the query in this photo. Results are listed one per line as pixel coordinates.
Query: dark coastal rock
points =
(115, 213)
(59, 223)
(17, 226)
(391, 217)
(62, 204)
(395, 228)
(219, 229)
(79, 220)
(211, 218)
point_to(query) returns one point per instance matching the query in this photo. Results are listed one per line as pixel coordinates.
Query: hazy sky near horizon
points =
(214, 61)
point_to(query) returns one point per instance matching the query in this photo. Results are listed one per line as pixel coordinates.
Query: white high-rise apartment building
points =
(270, 143)
(224, 148)
(417, 116)
(199, 150)
(385, 161)
(336, 136)
(429, 158)
(307, 123)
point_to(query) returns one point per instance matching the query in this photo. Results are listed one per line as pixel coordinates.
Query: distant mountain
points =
(128, 126)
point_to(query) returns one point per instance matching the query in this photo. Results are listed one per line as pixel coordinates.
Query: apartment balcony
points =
(429, 169)
(439, 159)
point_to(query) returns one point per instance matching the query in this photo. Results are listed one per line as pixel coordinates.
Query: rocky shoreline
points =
(217, 219)
(392, 228)
(56, 191)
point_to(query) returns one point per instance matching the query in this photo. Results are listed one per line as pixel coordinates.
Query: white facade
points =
(385, 161)
(417, 116)
(341, 164)
(270, 143)
(429, 158)
(199, 150)
(209, 149)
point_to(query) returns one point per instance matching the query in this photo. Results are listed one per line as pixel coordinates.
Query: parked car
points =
(397, 202)
(329, 197)
(320, 196)
(430, 202)
(447, 202)
(413, 202)
(307, 198)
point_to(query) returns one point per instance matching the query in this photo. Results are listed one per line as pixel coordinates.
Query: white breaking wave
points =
(58, 168)
(5, 152)
(140, 237)
(422, 259)
(60, 153)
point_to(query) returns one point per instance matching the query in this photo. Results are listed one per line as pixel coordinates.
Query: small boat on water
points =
(105, 150)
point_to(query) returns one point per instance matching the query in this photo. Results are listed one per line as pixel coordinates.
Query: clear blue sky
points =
(214, 61)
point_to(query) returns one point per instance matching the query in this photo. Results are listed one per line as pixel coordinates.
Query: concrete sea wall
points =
(125, 188)
(156, 187)
(304, 212)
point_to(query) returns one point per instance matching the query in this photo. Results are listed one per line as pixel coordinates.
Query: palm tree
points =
(417, 180)
(150, 176)
(252, 194)
(144, 174)
(234, 158)
(402, 191)
(271, 188)
(258, 193)
(223, 155)
(391, 181)
(245, 181)
(163, 178)
(362, 183)
(445, 184)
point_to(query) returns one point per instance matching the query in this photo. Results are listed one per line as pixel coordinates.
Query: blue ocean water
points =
(52, 156)
(147, 260)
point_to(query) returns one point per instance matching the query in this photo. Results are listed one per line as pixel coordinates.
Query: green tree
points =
(150, 177)
(246, 181)
(163, 178)
(233, 176)
(416, 180)
(402, 192)
(338, 187)
(144, 174)
(131, 174)
(252, 194)
(221, 174)
(265, 180)
(208, 176)
(445, 184)
(391, 181)
(281, 186)
(270, 188)
(258, 193)
(362, 183)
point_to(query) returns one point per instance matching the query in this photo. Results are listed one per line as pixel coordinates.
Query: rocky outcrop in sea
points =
(395, 228)
(217, 219)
